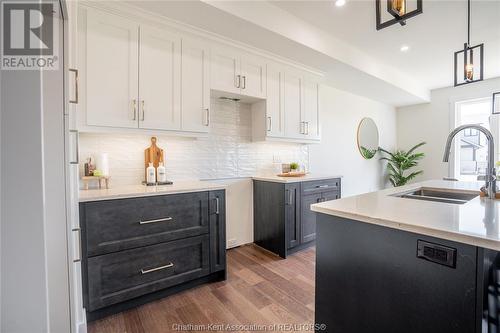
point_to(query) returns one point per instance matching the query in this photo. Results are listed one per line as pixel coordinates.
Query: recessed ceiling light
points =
(339, 3)
(405, 48)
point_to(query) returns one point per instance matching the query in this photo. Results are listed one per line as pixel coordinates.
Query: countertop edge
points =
(149, 194)
(438, 233)
(278, 179)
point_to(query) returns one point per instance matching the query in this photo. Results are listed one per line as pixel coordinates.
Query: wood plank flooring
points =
(261, 289)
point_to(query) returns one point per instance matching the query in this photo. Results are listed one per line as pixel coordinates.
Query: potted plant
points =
(399, 162)
(294, 167)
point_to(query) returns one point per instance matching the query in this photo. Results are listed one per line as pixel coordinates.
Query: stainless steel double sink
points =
(438, 195)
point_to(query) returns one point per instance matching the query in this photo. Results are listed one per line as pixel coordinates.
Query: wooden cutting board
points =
(153, 154)
(292, 174)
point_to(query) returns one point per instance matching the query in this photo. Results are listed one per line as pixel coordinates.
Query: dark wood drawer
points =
(115, 225)
(319, 186)
(120, 276)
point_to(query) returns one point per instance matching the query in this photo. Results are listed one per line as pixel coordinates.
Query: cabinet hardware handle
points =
(143, 110)
(77, 150)
(134, 107)
(238, 81)
(207, 114)
(244, 82)
(146, 271)
(290, 197)
(322, 186)
(75, 101)
(217, 206)
(269, 124)
(79, 259)
(165, 219)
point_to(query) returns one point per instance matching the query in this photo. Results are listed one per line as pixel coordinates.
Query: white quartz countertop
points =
(278, 179)
(133, 191)
(475, 222)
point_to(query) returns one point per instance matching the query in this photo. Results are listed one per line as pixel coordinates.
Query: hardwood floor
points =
(261, 289)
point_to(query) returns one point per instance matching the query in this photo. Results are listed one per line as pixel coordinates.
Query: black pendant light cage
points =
(495, 109)
(469, 64)
(395, 16)
(469, 61)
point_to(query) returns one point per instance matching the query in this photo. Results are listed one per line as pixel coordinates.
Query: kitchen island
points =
(387, 262)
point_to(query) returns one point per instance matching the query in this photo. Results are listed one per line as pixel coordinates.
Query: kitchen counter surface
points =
(475, 222)
(133, 191)
(308, 177)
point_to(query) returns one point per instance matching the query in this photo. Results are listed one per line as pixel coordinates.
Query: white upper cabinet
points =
(159, 79)
(147, 77)
(225, 70)
(195, 97)
(292, 102)
(253, 76)
(110, 70)
(274, 105)
(238, 73)
(310, 113)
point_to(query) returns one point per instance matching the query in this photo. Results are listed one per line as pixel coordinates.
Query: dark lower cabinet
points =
(375, 279)
(139, 249)
(283, 220)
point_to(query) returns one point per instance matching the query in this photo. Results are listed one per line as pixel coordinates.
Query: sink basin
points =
(438, 195)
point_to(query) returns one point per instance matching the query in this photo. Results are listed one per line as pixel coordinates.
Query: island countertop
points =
(476, 222)
(133, 191)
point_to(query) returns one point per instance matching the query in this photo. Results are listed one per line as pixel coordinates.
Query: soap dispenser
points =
(151, 174)
(162, 174)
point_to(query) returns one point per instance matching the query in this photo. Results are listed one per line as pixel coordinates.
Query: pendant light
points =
(398, 10)
(468, 62)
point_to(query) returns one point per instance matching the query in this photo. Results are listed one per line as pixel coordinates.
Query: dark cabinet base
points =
(135, 302)
(375, 279)
(283, 220)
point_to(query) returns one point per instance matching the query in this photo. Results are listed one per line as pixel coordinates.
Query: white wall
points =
(338, 153)
(431, 123)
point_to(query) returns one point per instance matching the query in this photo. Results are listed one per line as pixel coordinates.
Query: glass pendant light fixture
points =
(469, 61)
(399, 11)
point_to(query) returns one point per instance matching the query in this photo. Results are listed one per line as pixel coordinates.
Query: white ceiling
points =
(432, 36)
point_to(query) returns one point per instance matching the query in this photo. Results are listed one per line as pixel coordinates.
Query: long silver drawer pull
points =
(79, 259)
(322, 186)
(146, 271)
(217, 206)
(156, 221)
(74, 101)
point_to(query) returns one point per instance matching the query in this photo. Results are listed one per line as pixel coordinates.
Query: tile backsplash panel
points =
(227, 152)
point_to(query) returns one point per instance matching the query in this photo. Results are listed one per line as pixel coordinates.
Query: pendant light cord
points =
(468, 23)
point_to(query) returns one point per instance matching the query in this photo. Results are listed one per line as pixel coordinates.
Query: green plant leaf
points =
(400, 161)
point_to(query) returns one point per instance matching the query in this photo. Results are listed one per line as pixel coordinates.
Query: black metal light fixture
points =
(398, 10)
(469, 61)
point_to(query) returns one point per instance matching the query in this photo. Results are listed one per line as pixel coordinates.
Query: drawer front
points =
(116, 225)
(318, 186)
(117, 277)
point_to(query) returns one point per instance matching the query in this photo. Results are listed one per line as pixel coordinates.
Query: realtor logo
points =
(29, 38)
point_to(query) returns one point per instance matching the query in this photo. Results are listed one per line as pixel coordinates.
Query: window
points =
(471, 146)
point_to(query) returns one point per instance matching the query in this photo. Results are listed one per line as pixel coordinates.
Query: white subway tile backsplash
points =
(227, 152)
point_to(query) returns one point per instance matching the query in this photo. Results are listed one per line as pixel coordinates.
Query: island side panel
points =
(269, 216)
(369, 279)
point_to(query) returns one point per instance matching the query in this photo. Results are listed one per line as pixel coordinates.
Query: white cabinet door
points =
(159, 79)
(310, 114)
(111, 70)
(292, 102)
(195, 96)
(274, 105)
(253, 77)
(225, 70)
